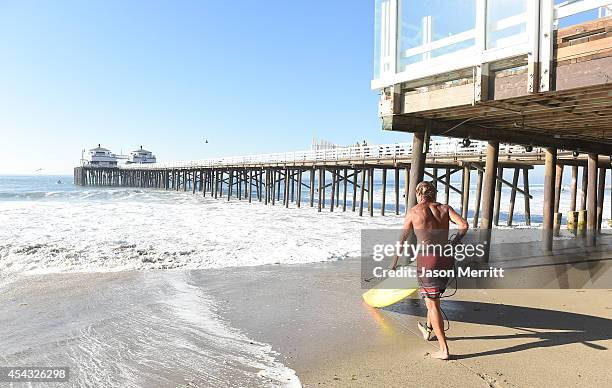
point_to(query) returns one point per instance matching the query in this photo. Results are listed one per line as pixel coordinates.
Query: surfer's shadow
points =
(548, 328)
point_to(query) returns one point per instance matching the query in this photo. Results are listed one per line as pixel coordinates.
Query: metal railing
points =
(437, 148)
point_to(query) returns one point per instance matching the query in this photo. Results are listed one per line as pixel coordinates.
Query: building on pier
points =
(100, 157)
(530, 72)
(141, 156)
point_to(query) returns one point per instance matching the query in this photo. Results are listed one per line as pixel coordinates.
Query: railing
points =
(437, 148)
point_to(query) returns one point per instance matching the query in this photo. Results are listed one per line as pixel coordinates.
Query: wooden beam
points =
(573, 189)
(549, 195)
(490, 172)
(417, 167)
(515, 178)
(592, 193)
(384, 191)
(601, 186)
(477, 200)
(453, 128)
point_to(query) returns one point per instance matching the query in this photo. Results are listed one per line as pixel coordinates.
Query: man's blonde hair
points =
(427, 190)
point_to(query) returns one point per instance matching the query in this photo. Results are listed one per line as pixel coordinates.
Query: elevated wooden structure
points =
(511, 76)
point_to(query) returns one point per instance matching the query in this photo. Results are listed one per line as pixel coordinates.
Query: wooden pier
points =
(343, 179)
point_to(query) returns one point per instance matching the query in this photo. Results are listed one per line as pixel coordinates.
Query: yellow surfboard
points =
(383, 297)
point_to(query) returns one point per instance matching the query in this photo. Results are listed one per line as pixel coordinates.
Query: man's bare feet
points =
(428, 335)
(440, 355)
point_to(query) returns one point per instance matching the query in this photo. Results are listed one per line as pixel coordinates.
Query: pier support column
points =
(515, 178)
(498, 194)
(573, 189)
(312, 183)
(417, 167)
(396, 187)
(477, 200)
(333, 190)
(299, 188)
(362, 191)
(371, 192)
(550, 168)
(465, 192)
(526, 196)
(447, 186)
(592, 193)
(345, 189)
(488, 197)
(384, 191)
(584, 187)
(321, 173)
(406, 189)
(601, 186)
(354, 203)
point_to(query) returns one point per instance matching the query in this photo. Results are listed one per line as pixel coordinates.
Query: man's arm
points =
(462, 224)
(407, 229)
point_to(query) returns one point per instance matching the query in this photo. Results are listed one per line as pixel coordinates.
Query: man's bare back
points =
(430, 221)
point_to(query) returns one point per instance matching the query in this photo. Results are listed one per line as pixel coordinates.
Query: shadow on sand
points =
(549, 327)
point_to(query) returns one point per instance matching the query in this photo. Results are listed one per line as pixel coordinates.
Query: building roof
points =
(142, 150)
(99, 148)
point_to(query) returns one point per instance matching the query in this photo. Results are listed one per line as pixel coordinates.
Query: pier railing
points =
(396, 151)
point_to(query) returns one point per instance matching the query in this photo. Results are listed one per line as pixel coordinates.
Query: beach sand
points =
(313, 316)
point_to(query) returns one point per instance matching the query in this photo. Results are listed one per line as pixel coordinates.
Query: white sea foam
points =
(110, 230)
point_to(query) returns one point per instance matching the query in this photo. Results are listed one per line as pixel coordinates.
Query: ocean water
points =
(154, 338)
(166, 323)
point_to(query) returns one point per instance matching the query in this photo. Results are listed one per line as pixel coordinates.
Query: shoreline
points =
(312, 317)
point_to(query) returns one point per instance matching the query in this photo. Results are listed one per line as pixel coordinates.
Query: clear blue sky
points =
(249, 76)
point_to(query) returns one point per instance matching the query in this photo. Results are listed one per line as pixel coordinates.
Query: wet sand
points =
(313, 316)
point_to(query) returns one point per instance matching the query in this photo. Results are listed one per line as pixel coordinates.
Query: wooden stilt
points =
(488, 197)
(384, 191)
(477, 199)
(396, 187)
(333, 192)
(549, 196)
(299, 188)
(592, 193)
(362, 191)
(323, 189)
(417, 167)
(515, 178)
(321, 174)
(498, 194)
(286, 189)
(274, 179)
(465, 195)
(345, 189)
(354, 204)
(584, 187)
(573, 189)
(558, 185)
(526, 196)
(447, 186)
(406, 189)
(371, 192)
(312, 183)
(601, 186)
(292, 185)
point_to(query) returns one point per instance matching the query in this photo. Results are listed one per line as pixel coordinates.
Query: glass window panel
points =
(506, 23)
(382, 37)
(426, 28)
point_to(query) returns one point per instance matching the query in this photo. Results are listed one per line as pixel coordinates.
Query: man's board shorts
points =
(433, 286)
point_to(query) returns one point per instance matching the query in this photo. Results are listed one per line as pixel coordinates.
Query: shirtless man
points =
(430, 220)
